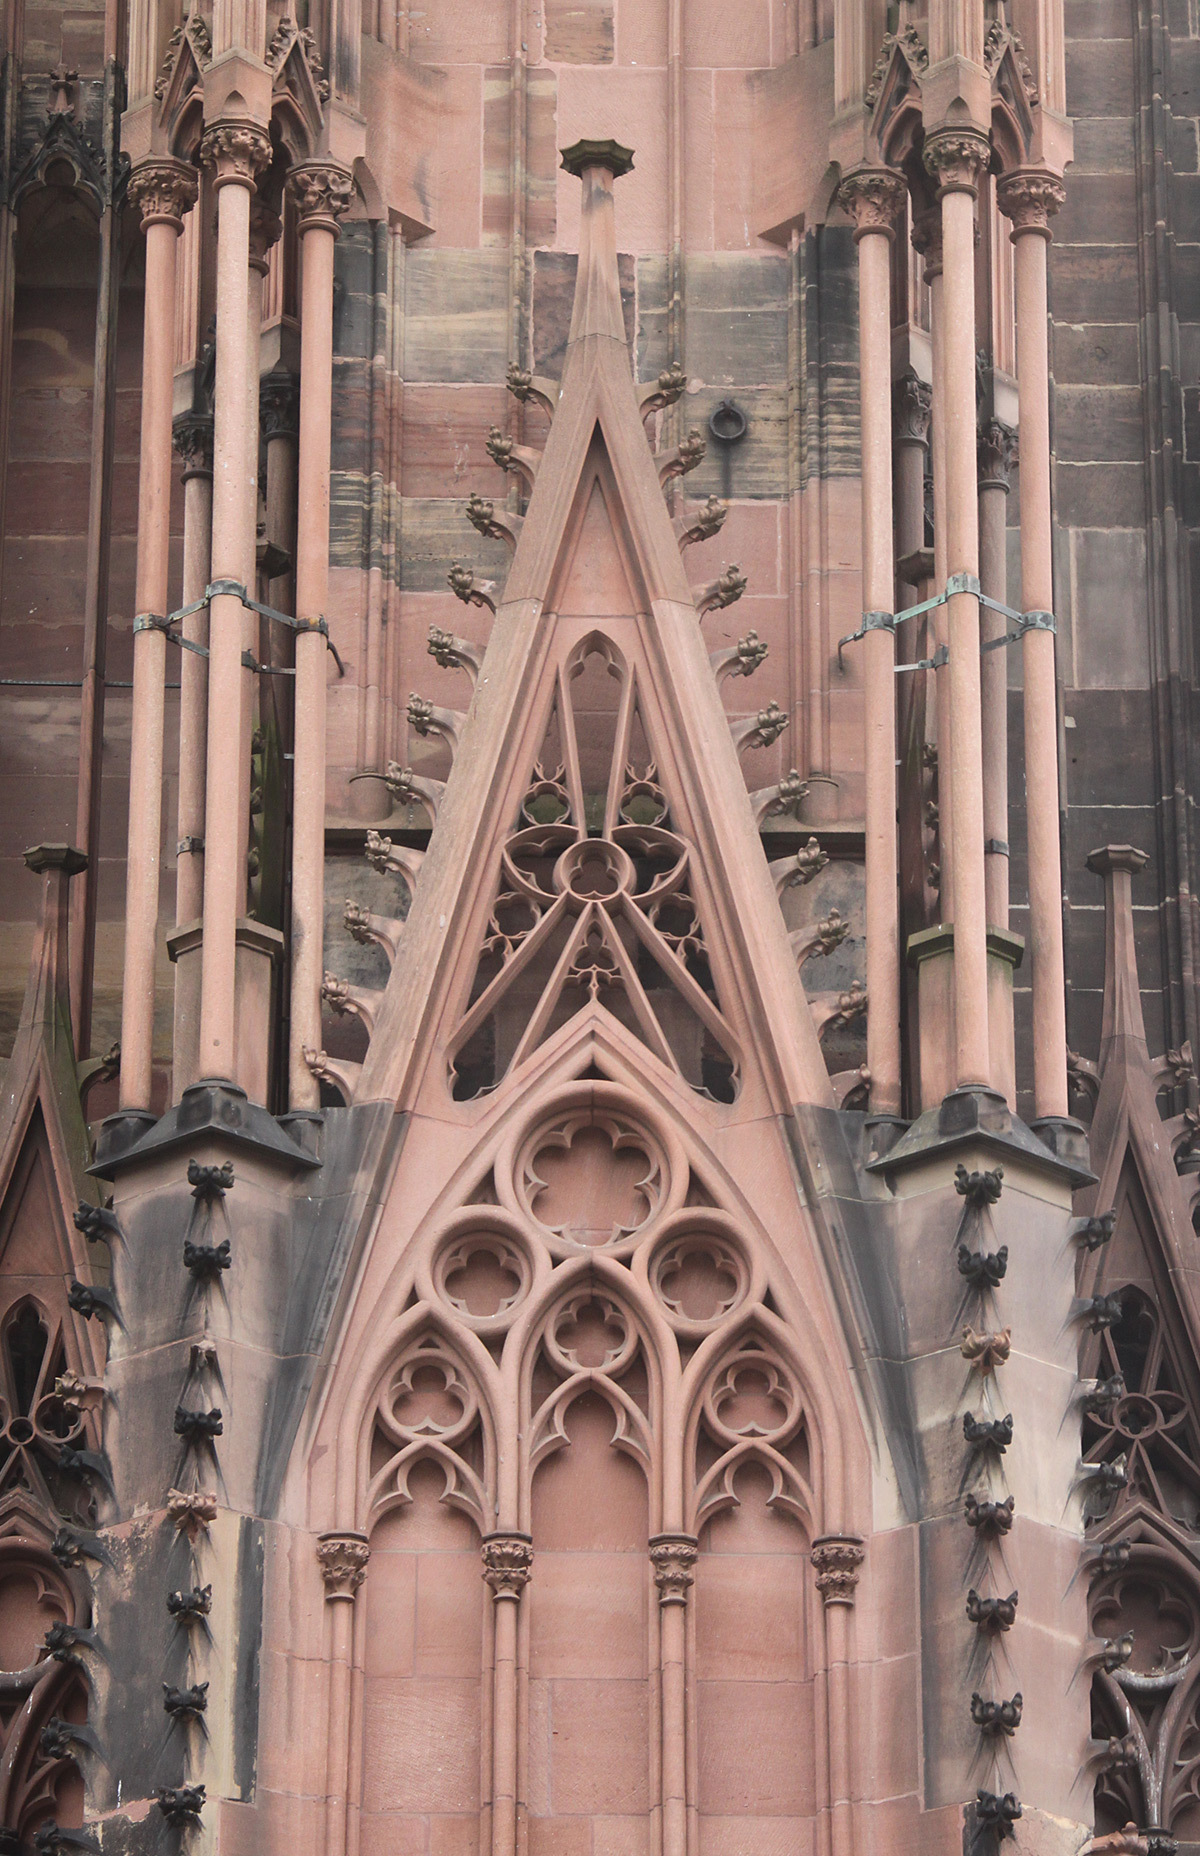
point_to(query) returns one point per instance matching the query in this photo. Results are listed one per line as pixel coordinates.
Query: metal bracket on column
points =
(1022, 622)
(941, 656)
(233, 589)
(250, 662)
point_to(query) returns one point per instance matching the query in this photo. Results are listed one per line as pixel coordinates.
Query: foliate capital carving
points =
(927, 240)
(192, 434)
(163, 190)
(836, 1560)
(673, 1557)
(507, 1564)
(955, 158)
(323, 192)
(265, 229)
(279, 404)
(236, 153)
(997, 452)
(342, 1558)
(874, 198)
(912, 400)
(1029, 198)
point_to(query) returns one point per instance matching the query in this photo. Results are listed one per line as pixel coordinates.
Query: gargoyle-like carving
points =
(700, 524)
(985, 1352)
(409, 789)
(72, 1545)
(829, 1010)
(683, 457)
(54, 1839)
(392, 859)
(778, 800)
(725, 590)
(181, 1805)
(428, 719)
(363, 926)
(798, 869)
(193, 1512)
(97, 1222)
(1113, 1556)
(997, 1717)
(525, 386)
(983, 1269)
(190, 1606)
(761, 730)
(988, 1433)
(61, 1739)
(1100, 1311)
(1107, 1477)
(63, 1640)
(496, 524)
(206, 1261)
(340, 1072)
(90, 1299)
(819, 938)
(185, 1704)
(90, 1464)
(673, 1557)
(739, 660)
(363, 1001)
(664, 391)
(997, 1814)
(455, 653)
(463, 584)
(1103, 1394)
(991, 1615)
(209, 1182)
(979, 1188)
(1115, 1652)
(507, 1564)
(77, 1393)
(1093, 1233)
(198, 1427)
(508, 455)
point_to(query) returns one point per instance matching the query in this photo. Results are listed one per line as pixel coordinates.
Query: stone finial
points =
(836, 1560)
(507, 1564)
(1029, 198)
(874, 198)
(61, 101)
(163, 190)
(342, 1557)
(235, 152)
(673, 1557)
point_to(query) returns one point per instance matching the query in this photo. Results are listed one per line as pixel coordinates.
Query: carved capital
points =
(673, 1557)
(323, 191)
(955, 159)
(997, 453)
(836, 1559)
(279, 404)
(192, 434)
(1029, 198)
(265, 229)
(163, 190)
(874, 198)
(507, 1564)
(342, 1558)
(235, 152)
(912, 406)
(927, 240)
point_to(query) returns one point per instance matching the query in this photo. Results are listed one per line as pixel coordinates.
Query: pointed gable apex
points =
(597, 535)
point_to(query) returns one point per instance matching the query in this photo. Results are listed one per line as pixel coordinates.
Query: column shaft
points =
(957, 159)
(165, 190)
(193, 437)
(323, 193)
(874, 197)
(1029, 200)
(236, 152)
(995, 454)
(927, 238)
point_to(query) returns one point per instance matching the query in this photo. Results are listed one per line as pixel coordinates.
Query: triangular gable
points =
(597, 554)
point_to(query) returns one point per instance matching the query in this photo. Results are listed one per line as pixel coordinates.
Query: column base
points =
(213, 1109)
(980, 1117)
